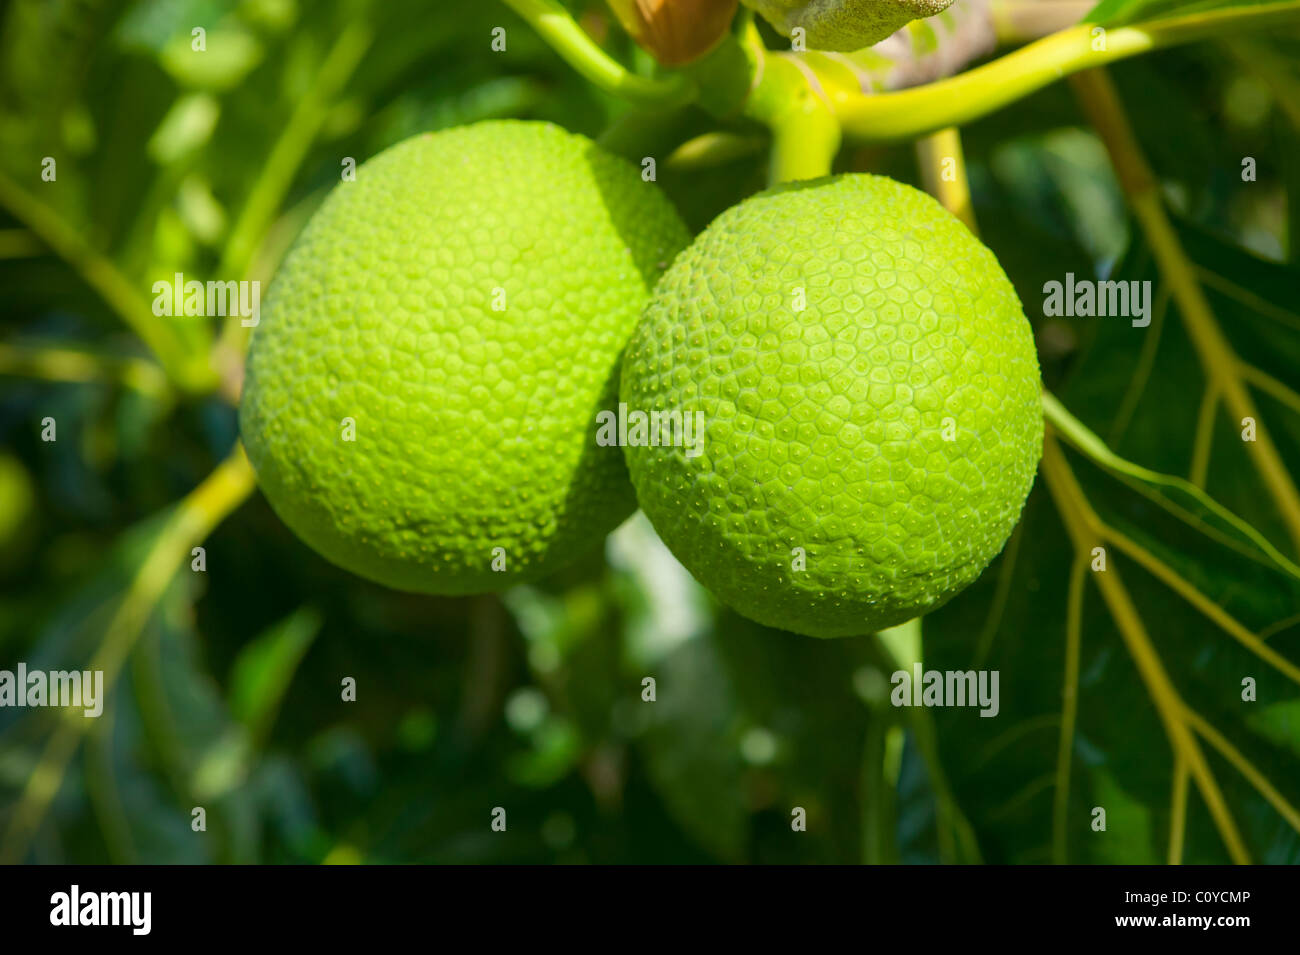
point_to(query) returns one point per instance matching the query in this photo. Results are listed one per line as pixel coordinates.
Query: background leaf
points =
(1121, 12)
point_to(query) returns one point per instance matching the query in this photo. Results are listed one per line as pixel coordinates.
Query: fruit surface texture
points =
(871, 403)
(422, 385)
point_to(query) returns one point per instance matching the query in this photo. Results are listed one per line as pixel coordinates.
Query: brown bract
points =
(675, 31)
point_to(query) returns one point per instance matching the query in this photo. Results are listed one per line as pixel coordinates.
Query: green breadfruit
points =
(844, 25)
(461, 307)
(870, 399)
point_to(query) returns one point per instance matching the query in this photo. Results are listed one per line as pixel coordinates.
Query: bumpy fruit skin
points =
(844, 25)
(474, 427)
(827, 428)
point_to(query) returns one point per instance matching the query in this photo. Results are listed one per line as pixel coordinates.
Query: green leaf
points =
(1113, 13)
(265, 667)
(206, 756)
(143, 816)
(1139, 390)
(692, 749)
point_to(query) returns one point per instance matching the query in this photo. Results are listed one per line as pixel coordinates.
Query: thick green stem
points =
(961, 99)
(901, 648)
(903, 643)
(554, 24)
(788, 100)
(943, 170)
(803, 146)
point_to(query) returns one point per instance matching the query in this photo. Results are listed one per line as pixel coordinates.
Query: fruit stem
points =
(557, 27)
(902, 644)
(804, 143)
(900, 648)
(788, 98)
(943, 171)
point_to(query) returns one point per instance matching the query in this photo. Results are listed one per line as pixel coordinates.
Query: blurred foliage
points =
(232, 695)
